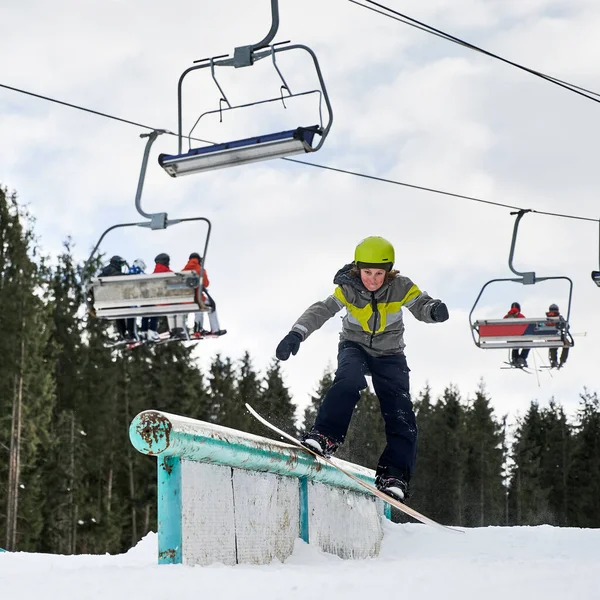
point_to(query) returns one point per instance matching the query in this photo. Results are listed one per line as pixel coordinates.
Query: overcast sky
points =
(407, 106)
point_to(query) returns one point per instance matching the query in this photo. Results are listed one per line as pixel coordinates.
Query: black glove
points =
(289, 344)
(439, 311)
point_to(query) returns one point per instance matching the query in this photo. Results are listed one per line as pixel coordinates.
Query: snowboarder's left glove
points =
(290, 344)
(439, 311)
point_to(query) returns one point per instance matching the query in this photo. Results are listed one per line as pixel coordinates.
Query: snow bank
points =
(416, 562)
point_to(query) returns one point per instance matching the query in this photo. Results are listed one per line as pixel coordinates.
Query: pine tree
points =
(26, 383)
(365, 440)
(484, 492)
(529, 500)
(64, 352)
(440, 472)
(275, 402)
(423, 484)
(556, 462)
(310, 412)
(247, 390)
(222, 383)
(584, 476)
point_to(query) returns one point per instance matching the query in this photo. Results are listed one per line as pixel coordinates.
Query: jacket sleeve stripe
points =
(411, 296)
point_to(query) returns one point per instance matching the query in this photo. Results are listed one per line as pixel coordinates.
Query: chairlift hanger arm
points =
(158, 220)
(528, 277)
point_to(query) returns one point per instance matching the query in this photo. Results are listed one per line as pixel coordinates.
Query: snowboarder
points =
(554, 314)
(371, 342)
(518, 357)
(125, 327)
(194, 264)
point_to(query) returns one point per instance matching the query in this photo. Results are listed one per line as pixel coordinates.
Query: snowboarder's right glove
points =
(439, 311)
(290, 344)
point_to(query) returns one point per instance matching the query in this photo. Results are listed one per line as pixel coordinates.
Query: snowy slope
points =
(416, 562)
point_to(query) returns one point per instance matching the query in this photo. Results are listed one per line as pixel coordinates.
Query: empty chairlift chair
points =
(267, 146)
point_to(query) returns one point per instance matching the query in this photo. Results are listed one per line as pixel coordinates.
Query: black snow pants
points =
(391, 382)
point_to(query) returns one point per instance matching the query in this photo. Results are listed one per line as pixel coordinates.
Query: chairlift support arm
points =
(157, 220)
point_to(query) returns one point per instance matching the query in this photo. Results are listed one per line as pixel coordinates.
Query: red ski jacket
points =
(158, 268)
(194, 265)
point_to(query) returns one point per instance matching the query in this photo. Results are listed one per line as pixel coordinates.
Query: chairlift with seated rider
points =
(541, 332)
(130, 296)
(264, 147)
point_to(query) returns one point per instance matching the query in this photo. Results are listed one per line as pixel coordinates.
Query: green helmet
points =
(374, 252)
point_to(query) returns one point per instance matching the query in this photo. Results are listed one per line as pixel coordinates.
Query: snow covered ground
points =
(416, 562)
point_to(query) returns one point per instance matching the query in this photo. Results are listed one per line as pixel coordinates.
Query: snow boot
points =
(177, 333)
(152, 336)
(396, 487)
(320, 443)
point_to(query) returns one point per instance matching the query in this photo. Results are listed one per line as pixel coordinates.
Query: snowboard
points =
(367, 486)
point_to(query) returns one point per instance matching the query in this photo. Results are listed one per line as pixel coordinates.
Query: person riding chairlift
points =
(518, 357)
(194, 264)
(126, 328)
(554, 314)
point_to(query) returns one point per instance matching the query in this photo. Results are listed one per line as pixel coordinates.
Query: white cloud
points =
(407, 106)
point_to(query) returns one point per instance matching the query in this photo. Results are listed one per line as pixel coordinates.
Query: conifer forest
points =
(70, 481)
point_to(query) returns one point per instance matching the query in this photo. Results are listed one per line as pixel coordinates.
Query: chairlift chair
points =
(263, 147)
(130, 296)
(543, 332)
(127, 296)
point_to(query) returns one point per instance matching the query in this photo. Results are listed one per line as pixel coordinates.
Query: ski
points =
(371, 488)
(511, 366)
(192, 338)
(164, 339)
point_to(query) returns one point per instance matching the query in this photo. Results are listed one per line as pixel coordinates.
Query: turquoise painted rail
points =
(174, 440)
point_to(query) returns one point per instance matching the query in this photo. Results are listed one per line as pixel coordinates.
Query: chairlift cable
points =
(310, 164)
(442, 192)
(76, 106)
(398, 16)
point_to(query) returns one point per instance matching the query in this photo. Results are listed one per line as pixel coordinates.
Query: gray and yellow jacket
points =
(373, 319)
